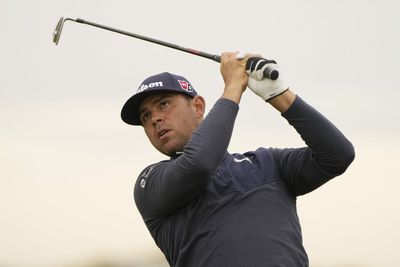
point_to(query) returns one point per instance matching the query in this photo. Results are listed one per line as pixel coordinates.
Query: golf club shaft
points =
(270, 73)
(152, 40)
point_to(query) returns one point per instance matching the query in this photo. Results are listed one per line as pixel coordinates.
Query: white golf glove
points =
(264, 87)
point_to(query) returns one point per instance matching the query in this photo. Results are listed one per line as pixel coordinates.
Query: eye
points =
(164, 103)
(145, 116)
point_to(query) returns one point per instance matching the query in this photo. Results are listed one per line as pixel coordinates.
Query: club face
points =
(57, 31)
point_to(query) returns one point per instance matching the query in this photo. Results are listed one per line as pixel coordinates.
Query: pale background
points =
(68, 163)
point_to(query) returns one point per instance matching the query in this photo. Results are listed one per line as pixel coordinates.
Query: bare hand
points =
(233, 71)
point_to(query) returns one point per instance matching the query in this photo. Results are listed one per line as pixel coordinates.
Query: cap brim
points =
(130, 110)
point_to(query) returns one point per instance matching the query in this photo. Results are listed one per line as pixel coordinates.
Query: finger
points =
(242, 54)
(246, 55)
(227, 56)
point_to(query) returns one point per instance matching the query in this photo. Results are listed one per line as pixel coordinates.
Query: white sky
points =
(68, 163)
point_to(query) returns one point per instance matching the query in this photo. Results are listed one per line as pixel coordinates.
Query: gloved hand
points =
(263, 87)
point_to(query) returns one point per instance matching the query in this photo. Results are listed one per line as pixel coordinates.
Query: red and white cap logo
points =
(185, 86)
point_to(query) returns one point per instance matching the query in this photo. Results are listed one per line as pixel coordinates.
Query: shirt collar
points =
(176, 155)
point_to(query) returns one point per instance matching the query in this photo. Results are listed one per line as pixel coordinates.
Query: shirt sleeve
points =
(328, 152)
(167, 186)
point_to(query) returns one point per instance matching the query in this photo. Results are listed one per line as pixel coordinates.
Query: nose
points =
(156, 118)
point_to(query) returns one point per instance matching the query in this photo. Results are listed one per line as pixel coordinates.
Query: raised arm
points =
(328, 152)
(165, 187)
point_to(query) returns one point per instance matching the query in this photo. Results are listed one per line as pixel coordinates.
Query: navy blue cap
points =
(161, 83)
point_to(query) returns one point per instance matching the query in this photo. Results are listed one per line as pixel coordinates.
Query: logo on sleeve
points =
(145, 174)
(142, 183)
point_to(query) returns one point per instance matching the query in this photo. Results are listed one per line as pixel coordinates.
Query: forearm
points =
(232, 94)
(210, 141)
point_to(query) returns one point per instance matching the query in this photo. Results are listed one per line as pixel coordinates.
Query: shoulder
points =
(148, 172)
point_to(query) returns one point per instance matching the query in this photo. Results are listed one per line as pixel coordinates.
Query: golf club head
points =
(57, 31)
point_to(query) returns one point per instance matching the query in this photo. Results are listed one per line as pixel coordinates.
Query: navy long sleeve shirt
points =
(207, 207)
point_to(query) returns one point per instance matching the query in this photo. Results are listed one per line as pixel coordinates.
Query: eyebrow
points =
(156, 100)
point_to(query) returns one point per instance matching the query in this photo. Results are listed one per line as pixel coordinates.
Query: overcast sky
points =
(68, 163)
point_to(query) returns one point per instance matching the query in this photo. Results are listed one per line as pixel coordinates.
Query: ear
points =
(199, 106)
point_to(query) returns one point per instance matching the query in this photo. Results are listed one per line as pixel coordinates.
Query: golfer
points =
(207, 207)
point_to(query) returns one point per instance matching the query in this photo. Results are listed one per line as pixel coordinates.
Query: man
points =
(206, 207)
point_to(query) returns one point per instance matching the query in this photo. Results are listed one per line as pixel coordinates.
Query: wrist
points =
(233, 93)
(283, 101)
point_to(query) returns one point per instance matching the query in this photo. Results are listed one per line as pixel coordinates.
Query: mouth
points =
(161, 133)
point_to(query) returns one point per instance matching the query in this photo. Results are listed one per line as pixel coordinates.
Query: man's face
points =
(169, 120)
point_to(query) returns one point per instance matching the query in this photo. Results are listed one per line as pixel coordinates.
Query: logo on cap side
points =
(150, 85)
(185, 86)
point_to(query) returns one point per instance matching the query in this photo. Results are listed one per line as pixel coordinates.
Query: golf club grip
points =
(269, 73)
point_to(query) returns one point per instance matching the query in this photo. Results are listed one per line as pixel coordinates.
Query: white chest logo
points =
(243, 159)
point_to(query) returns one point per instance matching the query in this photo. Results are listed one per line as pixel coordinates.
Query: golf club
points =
(270, 73)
